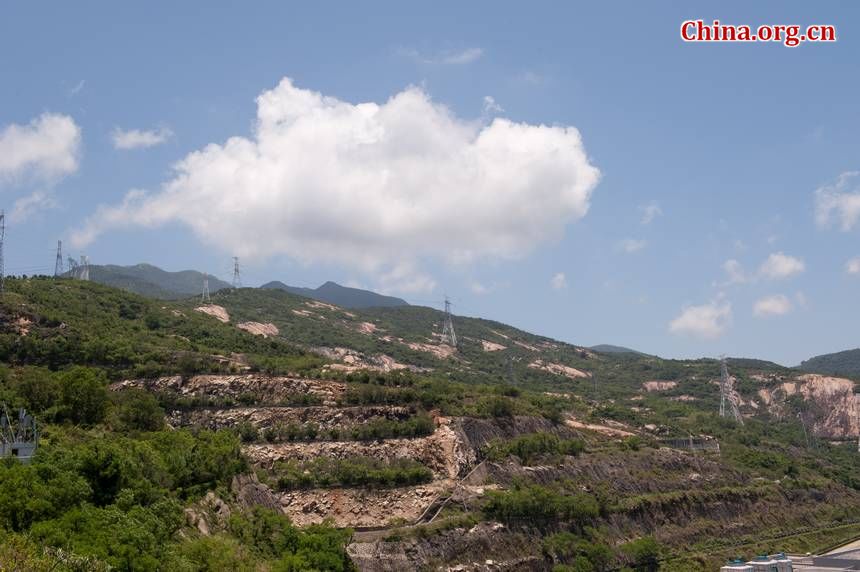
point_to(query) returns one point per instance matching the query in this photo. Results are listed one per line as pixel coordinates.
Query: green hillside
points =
(840, 363)
(153, 282)
(343, 296)
(113, 486)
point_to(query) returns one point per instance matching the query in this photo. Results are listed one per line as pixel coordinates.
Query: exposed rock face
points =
(341, 418)
(441, 351)
(443, 452)
(659, 385)
(832, 403)
(263, 388)
(478, 432)
(610, 429)
(259, 329)
(216, 311)
(492, 346)
(558, 369)
(484, 547)
(250, 492)
(352, 360)
(358, 507)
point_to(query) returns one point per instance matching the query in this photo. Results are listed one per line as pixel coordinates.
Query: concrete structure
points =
(840, 560)
(18, 439)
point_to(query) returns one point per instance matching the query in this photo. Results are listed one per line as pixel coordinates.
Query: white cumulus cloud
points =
(707, 321)
(491, 106)
(137, 139)
(649, 212)
(37, 201)
(776, 305)
(853, 265)
(46, 149)
(735, 272)
(779, 265)
(631, 245)
(372, 186)
(839, 202)
(559, 281)
(456, 58)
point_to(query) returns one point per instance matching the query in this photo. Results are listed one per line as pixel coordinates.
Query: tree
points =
(84, 397)
(643, 553)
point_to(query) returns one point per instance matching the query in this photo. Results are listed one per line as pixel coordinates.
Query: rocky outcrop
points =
(443, 452)
(831, 401)
(359, 507)
(558, 369)
(218, 312)
(250, 492)
(259, 329)
(483, 547)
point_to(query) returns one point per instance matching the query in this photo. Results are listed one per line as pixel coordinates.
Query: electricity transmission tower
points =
(58, 266)
(73, 267)
(237, 277)
(448, 333)
(205, 296)
(2, 239)
(726, 391)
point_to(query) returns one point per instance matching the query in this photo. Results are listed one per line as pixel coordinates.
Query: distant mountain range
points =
(153, 282)
(610, 349)
(840, 363)
(342, 296)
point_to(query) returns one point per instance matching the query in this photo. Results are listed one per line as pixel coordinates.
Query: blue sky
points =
(721, 146)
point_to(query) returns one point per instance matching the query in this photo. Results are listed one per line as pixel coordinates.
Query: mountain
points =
(840, 363)
(610, 349)
(338, 295)
(153, 282)
(367, 416)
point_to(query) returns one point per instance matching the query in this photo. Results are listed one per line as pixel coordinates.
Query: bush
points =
(138, 410)
(83, 395)
(351, 472)
(534, 446)
(643, 553)
(535, 502)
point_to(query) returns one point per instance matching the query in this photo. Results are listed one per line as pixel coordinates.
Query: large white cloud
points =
(46, 149)
(776, 305)
(707, 321)
(839, 201)
(375, 186)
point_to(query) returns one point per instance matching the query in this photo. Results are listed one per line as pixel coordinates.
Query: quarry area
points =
(294, 427)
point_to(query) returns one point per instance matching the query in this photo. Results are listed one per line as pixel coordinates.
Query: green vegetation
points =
(70, 322)
(536, 503)
(110, 485)
(846, 363)
(534, 447)
(378, 428)
(350, 472)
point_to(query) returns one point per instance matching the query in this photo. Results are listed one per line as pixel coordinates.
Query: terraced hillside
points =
(266, 431)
